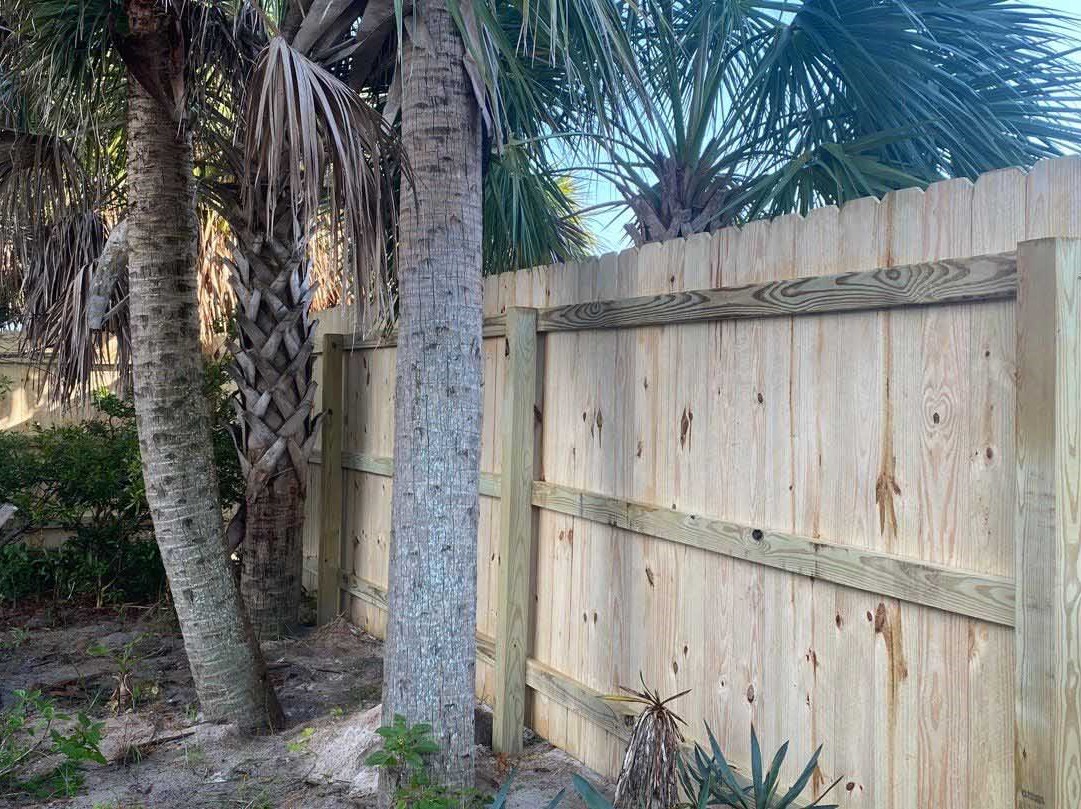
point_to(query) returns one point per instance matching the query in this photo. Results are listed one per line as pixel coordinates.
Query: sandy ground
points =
(162, 754)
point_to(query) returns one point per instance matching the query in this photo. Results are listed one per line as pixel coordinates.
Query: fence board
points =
(879, 441)
(330, 537)
(980, 278)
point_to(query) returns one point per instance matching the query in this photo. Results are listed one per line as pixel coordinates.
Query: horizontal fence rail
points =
(920, 463)
(989, 598)
(989, 277)
(614, 716)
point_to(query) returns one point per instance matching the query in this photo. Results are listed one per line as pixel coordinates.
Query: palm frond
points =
(55, 331)
(764, 107)
(546, 66)
(313, 142)
(531, 213)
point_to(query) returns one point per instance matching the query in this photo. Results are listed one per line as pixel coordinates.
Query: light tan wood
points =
(367, 591)
(990, 598)
(998, 223)
(384, 467)
(328, 602)
(836, 371)
(979, 278)
(931, 390)
(888, 433)
(1048, 637)
(494, 326)
(976, 278)
(515, 530)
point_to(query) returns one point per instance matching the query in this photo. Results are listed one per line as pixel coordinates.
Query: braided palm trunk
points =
(273, 371)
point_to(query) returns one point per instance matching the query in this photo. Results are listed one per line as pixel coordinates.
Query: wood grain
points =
(384, 467)
(977, 278)
(330, 535)
(980, 278)
(990, 598)
(886, 435)
(1047, 751)
(515, 531)
(987, 597)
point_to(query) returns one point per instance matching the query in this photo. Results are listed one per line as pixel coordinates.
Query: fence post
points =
(515, 530)
(328, 601)
(1047, 752)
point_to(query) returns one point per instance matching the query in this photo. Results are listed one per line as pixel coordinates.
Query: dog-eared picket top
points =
(901, 442)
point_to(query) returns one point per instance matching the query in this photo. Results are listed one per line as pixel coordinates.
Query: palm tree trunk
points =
(174, 427)
(273, 372)
(431, 632)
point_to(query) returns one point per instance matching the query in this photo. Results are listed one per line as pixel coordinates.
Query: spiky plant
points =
(648, 777)
(709, 780)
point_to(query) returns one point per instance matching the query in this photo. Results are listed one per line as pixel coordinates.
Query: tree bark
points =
(273, 372)
(431, 632)
(272, 557)
(173, 421)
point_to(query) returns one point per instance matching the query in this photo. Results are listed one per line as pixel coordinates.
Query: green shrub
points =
(87, 480)
(404, 756)
(28, 737)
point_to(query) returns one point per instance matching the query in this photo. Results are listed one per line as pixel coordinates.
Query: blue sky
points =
(608, 226)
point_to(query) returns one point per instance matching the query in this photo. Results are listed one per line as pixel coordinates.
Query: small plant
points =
(404, 746)
(709, 780)
(195, 757)
(403, 756)
(300, 744)
(127, 693)
(15, 638)
(191, 712)
(28, 737)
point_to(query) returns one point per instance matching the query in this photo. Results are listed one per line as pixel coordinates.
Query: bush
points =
(87, 480)
(28, 738)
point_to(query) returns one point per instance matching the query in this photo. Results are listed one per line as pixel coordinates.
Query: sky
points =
(608, 226)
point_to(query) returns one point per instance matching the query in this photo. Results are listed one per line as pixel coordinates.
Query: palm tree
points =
(259, 64)
(757, 107)
(742, 109)
(150, 44)
(513, 71)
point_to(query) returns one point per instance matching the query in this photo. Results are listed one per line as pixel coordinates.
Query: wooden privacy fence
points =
(825, 471)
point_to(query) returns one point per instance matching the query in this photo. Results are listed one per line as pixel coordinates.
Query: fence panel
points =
(810, 520)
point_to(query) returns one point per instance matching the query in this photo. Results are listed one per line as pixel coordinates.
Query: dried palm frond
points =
(648, 777)
(216, 298)
(319, 146)
(55, 290)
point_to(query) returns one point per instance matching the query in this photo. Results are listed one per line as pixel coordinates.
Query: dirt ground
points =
(162, 754)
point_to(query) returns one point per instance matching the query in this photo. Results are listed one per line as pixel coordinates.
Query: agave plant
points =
(709, 780)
